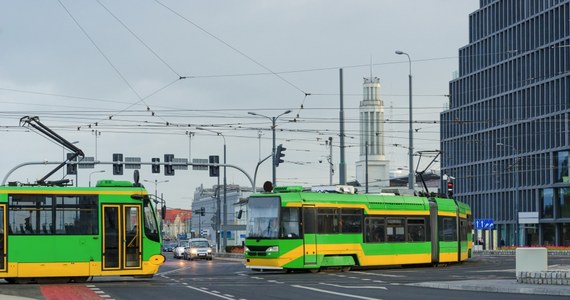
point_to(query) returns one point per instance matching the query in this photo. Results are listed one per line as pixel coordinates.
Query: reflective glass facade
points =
(505, 137)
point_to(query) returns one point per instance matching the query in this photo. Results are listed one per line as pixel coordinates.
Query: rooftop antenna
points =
(370, 66)
(35, 123)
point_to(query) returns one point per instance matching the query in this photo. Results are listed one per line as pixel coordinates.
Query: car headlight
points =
(272, 249)
(209, 250)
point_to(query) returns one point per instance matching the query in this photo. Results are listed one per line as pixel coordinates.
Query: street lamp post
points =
(273, 120)
(225, 213)
(412, 176)
(517, 190)
(98, 171)
(156, 182)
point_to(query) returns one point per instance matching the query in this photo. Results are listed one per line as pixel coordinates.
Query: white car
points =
(178, 251)
(198, 248)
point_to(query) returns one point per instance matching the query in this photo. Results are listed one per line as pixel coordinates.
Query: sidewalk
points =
(498, 286)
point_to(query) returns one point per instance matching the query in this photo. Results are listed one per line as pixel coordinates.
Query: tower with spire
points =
(372, 137)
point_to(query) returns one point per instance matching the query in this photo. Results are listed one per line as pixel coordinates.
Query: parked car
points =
(198, 248)
(178, 251)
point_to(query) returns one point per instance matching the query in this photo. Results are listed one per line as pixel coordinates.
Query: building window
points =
(548, 234)
(547, 203)
(562, 167)
(565, 234)
(564, 203)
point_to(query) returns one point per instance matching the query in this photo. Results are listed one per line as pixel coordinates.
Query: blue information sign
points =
(484, 224)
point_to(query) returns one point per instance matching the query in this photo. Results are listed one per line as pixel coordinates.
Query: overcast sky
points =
(143, 73)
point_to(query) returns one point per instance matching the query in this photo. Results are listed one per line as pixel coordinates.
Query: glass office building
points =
(505, 138)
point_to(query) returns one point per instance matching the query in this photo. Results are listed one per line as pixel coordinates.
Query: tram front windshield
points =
(263, 217)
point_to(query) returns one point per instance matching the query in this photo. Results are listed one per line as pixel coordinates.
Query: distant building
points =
(177, 222)
(206, 226)
(505, 137)
(372, 139)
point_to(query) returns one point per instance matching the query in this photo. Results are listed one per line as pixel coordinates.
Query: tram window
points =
(395, 229)
(309, 218)
(375, 230)
(289, 222)
(150, 223)
(327, 220)
(30, 214)
(463, 230)
(416, 230)
(351, 220)
(50, 214)
(448, 229)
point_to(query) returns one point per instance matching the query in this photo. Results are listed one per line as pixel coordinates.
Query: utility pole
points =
(342, 165)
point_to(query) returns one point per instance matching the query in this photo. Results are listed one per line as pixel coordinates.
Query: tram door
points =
(3, 238)
(121, 237)
(310, 235)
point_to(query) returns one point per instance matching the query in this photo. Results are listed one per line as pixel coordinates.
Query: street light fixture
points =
(218, 212)
(412, 176)
(517, 183)
(99, 171)
(156, 182)
(273, 120)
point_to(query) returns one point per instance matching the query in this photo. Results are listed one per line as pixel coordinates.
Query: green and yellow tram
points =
(78, 232)
(294, 229)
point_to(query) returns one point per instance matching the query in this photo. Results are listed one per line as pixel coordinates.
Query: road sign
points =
(484, 224)
(132, 163)
(180, 163)
(87, 162)
(199, 161)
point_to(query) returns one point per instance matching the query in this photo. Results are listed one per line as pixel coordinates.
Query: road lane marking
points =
(377, 274)
(355, 286)
(334, 293)
(172, 271)
(210, 293)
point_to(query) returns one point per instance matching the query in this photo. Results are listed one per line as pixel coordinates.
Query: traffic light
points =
(449, 188)
(214, 170)
(202, 211)
(71, 168)
(168, 168)
(279, 154)
(117, 164)
(155, 167)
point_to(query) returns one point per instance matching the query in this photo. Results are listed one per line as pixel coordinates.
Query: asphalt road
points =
(229, 279)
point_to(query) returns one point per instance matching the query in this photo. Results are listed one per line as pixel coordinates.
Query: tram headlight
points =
(273, 249)
(246, 249)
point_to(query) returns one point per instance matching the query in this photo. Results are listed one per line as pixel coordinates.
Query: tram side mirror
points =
(136, 178)
(163, 211)
(240, 212)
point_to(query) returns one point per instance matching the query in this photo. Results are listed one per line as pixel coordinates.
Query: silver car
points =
(198, 248)
(178, 251)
